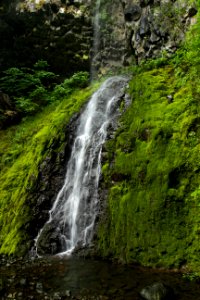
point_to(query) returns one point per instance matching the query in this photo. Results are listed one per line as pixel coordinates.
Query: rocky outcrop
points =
(154, 27)
(134, 30)
(157, 291)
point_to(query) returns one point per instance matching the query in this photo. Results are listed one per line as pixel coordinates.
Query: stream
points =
(78, 278)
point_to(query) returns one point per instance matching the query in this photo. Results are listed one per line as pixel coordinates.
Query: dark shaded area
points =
(8, 113)
(62, 40)
(67, 278)
(132, 13)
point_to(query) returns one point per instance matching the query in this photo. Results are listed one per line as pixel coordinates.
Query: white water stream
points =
(96, 39)
(76, 206)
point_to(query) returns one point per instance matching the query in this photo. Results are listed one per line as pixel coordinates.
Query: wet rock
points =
(170, 98)
(57, 296)
(68, 293)
(158, 23)
(157, 291)
(144, 27)
(50, 241)
(154, 38)
(132, 13)
(5, 102)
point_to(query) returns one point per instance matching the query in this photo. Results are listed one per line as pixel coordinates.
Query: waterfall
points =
(72, 217)
(96, 39)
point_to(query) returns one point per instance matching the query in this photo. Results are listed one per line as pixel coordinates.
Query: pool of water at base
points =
(74, 278)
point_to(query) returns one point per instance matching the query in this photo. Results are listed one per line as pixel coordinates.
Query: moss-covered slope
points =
(23, 149)
(152, 170)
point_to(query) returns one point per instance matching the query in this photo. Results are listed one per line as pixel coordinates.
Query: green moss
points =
(153, 204)
(152, 168)
(23, 149)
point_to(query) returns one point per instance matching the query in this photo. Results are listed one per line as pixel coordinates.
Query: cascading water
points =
(73, 214)
(96, 39)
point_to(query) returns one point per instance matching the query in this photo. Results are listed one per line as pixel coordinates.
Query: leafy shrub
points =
(16, 82)
(60, 92)
(25, 105)
(20, 82)
(40, 95)
(31, 88)
(41, 64)
(77, 81)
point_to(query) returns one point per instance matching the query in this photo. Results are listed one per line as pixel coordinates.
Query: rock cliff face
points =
(61, 32)
(156, 26)
(134, 30)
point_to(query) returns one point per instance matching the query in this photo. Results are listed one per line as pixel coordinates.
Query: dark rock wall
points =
(154, 27)
(113, 45)
(134, 30)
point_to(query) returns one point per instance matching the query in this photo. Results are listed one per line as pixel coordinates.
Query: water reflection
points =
(71, 278)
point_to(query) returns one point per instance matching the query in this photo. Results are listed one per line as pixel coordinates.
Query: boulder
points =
(50, 241)
(157, 291)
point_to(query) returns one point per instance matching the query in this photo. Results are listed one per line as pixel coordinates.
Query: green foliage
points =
(16, 82)
(31, 89)
(39, 94)
(23, 149)
(77, 81)
(26, 105)
(191, 276)
(41, 65)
